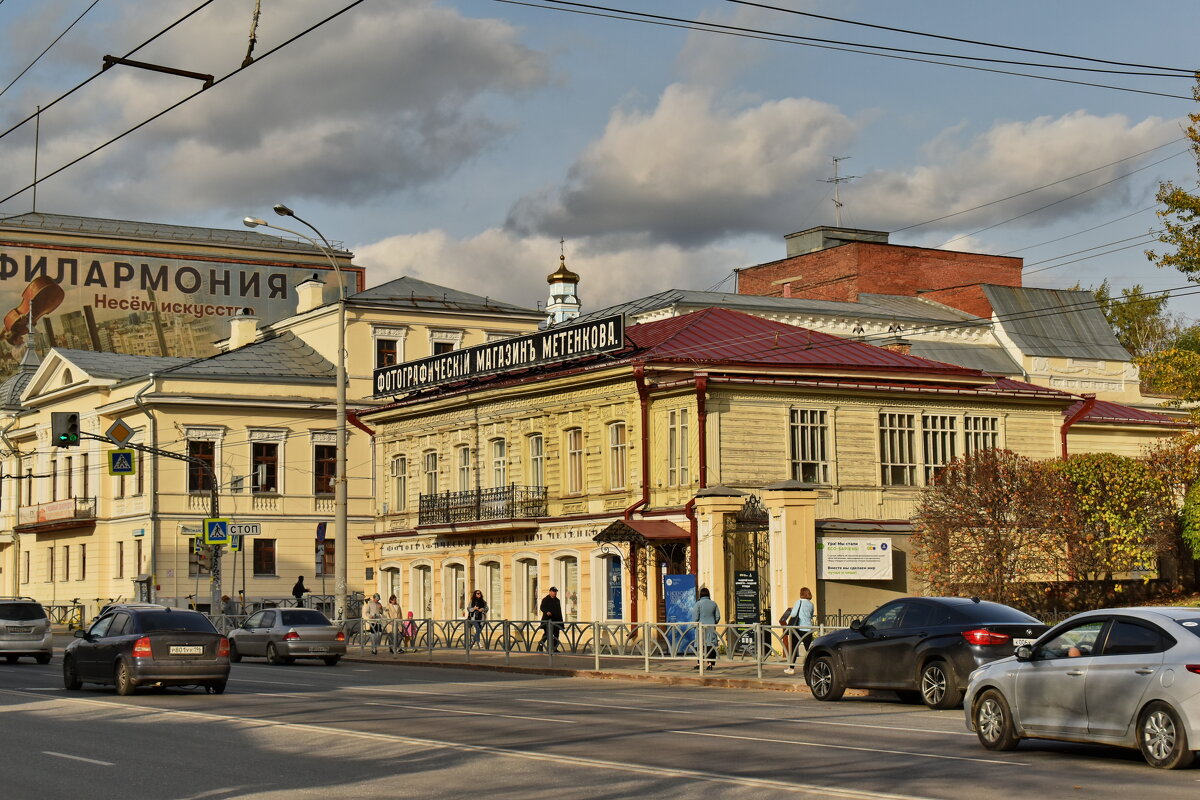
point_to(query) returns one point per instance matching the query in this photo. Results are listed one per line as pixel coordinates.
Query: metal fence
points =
(69, 614)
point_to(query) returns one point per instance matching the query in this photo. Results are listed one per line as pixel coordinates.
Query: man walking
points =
(552, 618)
(298, 592)
(707, 614)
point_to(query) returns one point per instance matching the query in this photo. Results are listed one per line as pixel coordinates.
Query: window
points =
(66, 573)
(884, 618)
(429, 466)
(137, 556)
(26, 566)
(980, 433)
(499, 463)
(422, 589)
(810, 437)
(677, 448)
(1131, 639)
(537, 460)
(462, 456)
(53, 480)
(264, 556)
(324, 468)
(120, 559)
(323, 564)
(575, 461)
(50, 564)
(84, 489)
(69, 477)
(442, 347)
(940, 438)
(140, 479)
(897, 454)
(527, 595)
(82, 562)
(200, 477)
(1077, 641)
(493, 588)
(616, 455)
(399, 483)
(386, 353)
(264, 464)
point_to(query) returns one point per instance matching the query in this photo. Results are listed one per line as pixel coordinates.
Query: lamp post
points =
(341, 514)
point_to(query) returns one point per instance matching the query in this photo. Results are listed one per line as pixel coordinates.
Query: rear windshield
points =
(22, 611)
(191, 621)
(993, 612)
(1192, 624)
(306, 617)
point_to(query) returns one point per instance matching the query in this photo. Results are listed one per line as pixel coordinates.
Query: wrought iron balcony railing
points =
(504, 502)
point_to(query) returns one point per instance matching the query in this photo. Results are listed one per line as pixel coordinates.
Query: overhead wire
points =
(1079, 233)
(21, 74)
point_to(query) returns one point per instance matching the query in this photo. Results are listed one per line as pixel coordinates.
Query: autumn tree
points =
(1180, 213)
(1138, 318)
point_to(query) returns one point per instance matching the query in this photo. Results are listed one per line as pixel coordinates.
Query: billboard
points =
(859, 558)
(139, 304)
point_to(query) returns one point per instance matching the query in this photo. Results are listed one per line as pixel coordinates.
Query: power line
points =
(1189, 72)
(1080, 233)
(176, 105)
(1150, 233)
(1105, 253)
(47, 50)
(783, 38)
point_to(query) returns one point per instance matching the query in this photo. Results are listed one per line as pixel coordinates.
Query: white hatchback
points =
(24, 630)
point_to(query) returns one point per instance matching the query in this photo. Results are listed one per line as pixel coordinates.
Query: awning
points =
(643, 531)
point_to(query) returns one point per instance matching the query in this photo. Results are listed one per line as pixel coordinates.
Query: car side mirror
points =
(80, 633)
(856, 625)
(1024, 653)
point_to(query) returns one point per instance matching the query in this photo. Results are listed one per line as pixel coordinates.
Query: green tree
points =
(1139, 319)
(1180, 213)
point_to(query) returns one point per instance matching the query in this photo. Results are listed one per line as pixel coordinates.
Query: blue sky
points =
(458, 140)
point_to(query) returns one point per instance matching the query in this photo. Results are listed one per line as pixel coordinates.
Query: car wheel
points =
(273, 656)
(824, 680)
(993, 722)
(71, 675)
(217, 687)
(234, 656)
(11, 659)
(938, 687)
(331, 661)
(42, 658)
(123, 677)
(1162, 739)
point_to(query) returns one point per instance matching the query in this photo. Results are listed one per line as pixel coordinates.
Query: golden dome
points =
(562, 274)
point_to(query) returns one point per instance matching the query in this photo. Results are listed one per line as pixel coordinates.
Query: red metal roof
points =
(1105, 411)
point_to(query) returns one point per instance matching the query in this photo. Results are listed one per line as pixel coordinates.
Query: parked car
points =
(148, 645)
(24, 630)
(1123, 676)
(284, 634)
(923, 648)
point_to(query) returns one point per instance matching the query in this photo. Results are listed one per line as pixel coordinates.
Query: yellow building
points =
(260, 413)
(713, 442)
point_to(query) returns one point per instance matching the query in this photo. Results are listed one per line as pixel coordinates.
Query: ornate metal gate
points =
(748, 549)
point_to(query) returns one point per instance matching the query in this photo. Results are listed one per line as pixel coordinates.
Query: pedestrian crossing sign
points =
(121, 462)
(216, 531)
(235, 543)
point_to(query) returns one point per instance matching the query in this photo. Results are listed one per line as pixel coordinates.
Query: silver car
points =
(24, 630)
(1122, 676)
(285, 634)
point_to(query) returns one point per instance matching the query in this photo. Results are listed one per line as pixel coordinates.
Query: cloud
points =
(715, 59)
(501, 264)
(386, 97)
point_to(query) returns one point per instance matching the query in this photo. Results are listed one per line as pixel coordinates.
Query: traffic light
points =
(64, 429)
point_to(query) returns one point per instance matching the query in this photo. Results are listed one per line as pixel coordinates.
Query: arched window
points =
(455, 583)
(422, 591)
(492, 587)
(526, 592)
(566, 578)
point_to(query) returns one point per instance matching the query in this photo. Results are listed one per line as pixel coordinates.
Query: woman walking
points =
(799, 622)
(477, 612)
(394, 617)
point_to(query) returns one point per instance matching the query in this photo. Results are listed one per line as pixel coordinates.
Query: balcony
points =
(59, 515)
(505, 502)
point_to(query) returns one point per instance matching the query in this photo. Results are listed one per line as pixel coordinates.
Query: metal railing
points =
(69, 614)
(504, 502)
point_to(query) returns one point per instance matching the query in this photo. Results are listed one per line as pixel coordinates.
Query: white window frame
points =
(573, 466)
(462, 460)
(980, 432)
(399, 475)
(618, 447)
(809, 444)
(678, 447)
(897, 448)
(536, 443)
(429, 472)
(498, 448)
(939, 443)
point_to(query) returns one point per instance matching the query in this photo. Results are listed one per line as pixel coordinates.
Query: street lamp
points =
(341, 536)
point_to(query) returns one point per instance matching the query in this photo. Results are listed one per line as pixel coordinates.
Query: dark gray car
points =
(24, 630)
(145, 645)
(282, 635)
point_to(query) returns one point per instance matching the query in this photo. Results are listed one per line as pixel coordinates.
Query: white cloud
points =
(500, 264)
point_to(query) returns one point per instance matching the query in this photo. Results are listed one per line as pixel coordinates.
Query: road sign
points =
(121, 462)
(119, 432)
(320, 531)
(235, 542)
(216, 531)
(245, 528)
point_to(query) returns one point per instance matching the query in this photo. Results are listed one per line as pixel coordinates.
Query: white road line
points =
(601, 705)
(810, 721)
(443, 710)
(270, 683)
(656, 772)
(849, 747)
(79, 758)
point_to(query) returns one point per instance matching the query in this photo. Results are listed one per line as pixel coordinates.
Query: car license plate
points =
(318, 649)
(187, 650)
(1023, 642)
(20, 629)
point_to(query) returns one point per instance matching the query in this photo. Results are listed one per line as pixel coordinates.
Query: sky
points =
(458, 141)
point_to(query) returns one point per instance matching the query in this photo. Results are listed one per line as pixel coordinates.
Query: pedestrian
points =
(394, 616)
(298, 592)
(552, 618)
(707, 613)
(799, 621)
(372, 615)
(410, 631)
(477, 612)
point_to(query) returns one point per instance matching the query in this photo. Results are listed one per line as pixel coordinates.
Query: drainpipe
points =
(1089, 402)
(639, 378)
(702, 422)
(137, 398)
(352, 418)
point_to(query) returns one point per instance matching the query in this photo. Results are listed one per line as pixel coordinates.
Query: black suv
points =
(924, 648)
(136, 645)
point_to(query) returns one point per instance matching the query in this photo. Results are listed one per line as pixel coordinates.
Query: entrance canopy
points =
(643, 532)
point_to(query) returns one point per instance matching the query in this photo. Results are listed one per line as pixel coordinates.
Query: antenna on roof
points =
(837, 181)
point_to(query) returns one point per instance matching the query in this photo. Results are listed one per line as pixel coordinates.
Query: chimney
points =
(897, 344)
(311, 294)
(243, 329)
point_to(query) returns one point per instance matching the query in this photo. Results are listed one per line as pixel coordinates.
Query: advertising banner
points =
(680, 594)
(854, 558)
(137, 304)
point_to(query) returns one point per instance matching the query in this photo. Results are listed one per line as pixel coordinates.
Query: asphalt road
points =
(384, 731)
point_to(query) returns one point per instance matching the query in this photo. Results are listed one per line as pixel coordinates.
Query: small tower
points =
(563, 305)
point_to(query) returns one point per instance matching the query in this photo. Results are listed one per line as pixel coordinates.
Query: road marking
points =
(270, 683)
(79, 758)
(443, 710)
(602, 705)
(655, 772)
(811, 721)
(849, 747)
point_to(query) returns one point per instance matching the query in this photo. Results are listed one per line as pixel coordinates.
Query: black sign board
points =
(745, 596)
(556, 344)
